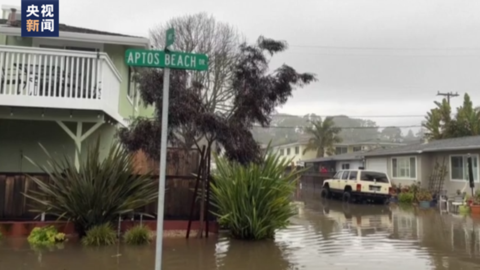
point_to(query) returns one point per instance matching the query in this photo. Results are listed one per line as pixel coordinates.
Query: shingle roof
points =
(464, 143)
(69, 28)
(348, 156)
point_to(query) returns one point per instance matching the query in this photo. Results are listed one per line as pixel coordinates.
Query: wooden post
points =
(207, 208)
(199, 172)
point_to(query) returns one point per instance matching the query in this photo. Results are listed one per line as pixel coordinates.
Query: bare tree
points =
(202, 33)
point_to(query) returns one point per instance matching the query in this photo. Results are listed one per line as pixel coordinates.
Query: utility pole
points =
(448, 95)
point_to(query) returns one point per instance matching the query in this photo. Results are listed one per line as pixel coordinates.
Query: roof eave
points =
(94, 38)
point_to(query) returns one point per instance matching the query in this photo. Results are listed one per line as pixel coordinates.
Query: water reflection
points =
(324, 234)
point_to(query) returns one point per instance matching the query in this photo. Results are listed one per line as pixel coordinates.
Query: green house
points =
(62, 92)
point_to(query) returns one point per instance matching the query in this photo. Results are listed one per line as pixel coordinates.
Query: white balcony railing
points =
(61, 79)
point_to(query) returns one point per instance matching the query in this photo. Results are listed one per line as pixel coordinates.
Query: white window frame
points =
(134, 96)
(405, 178)
(343, 147)
(466, 157)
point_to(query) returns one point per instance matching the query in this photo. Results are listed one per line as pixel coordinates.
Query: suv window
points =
(372, 176)
(353, 175)
(345, 175)
(338, 175)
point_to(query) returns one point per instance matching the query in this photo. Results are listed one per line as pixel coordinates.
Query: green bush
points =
(100, 235)
(1, 235)
(97, 193)
(253, 200)
(406, 197)
(138, 235)
(45, 236)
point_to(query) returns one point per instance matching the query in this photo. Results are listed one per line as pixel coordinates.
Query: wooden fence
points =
(14, 206)
(180, 185)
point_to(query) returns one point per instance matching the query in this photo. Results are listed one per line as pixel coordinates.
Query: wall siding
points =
(21, 138)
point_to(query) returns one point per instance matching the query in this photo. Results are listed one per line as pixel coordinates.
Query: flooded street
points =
(328, 235)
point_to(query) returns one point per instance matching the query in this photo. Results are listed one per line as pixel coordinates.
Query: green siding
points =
(117, 54)
(21, 138)
(125, 108)
(19, 41)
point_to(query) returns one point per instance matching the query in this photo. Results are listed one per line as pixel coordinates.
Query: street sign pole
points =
(163, 157)
(167, 60)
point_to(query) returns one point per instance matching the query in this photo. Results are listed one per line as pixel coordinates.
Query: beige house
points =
(421, 162)
(295, 151)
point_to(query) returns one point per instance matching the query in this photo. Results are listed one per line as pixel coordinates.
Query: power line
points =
(384, 48)
(358, 116)
(376, 127)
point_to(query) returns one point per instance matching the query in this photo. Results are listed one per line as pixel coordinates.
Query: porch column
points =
(78, 138)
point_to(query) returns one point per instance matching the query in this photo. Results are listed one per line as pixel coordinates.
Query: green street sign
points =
(170, 37)
(162, 59)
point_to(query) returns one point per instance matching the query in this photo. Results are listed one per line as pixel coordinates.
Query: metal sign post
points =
(164, 59)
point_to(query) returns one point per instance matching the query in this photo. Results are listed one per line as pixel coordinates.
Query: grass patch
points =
(101, 235)
(138, 235)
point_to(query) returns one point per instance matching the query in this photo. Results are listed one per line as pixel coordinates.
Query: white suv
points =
(358, 185)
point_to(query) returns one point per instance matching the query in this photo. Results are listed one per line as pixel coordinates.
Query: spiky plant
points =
(96, 193)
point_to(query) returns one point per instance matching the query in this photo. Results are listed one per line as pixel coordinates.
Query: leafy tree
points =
(410, 136)
(202, 33)
(324, 135)
(439, 123)
(393, 134)
(467, 119)
(255, 94)
(356, 130)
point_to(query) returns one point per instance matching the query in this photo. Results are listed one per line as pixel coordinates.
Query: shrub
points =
(405, 197)
(138, 235)
(45, 236)
(100, 235)
(1, 235)
(81, 195)
(253, 200)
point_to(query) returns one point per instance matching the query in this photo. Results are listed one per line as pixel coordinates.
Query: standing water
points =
(324, 235)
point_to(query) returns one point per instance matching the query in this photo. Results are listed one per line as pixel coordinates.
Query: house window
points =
(345, 166)
(281, 152)
(404, 167)
(297, 150)
(357, 148)
(459, 168)
(132, 90)
(288, 151)
(341, 150)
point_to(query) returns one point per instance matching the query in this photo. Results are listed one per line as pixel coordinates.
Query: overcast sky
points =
(372, 57)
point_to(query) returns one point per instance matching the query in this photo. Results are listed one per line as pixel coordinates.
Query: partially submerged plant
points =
(137, 235)
(253, 200)
(423, 195)
(96, 193)
(100, 235)
(406, 197)
(45, 236)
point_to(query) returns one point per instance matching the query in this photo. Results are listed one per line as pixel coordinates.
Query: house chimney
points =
(11, 17)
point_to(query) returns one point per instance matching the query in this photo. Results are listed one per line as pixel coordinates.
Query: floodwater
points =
(324, 235)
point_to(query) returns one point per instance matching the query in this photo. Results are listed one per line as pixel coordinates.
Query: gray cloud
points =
(351, 81)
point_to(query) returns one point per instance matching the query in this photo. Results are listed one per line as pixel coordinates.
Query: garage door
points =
(376, 164)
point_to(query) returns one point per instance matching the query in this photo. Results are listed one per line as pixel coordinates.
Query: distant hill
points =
(286, 128)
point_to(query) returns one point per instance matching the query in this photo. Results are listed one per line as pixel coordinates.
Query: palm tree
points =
(324, 136)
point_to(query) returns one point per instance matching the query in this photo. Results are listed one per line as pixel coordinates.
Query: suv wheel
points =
(346, 196)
